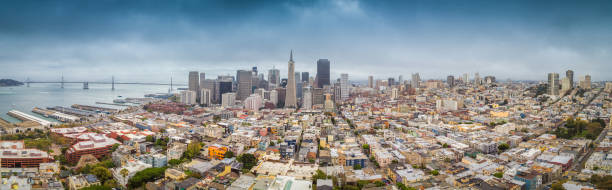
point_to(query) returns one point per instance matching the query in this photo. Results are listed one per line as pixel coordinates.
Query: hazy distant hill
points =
(10, 82)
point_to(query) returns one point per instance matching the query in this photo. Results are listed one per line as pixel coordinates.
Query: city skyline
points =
(517, 40)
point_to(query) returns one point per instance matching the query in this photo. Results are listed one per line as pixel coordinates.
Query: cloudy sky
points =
(149, 41)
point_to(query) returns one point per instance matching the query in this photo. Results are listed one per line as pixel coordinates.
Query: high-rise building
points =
(305, 76)
(291, 94)
(307, 99)
(205, 97)
(553, 84)
(211, 85)
(391, 81)
(228, 99)
(450, 80)
(416, 79)
(466, 78)
(337, 92)
(489, 79)
(400, 79)
(570, 76)
(477, 80)
(254, 71)
(253, 102)
(565, 85)
(274, 96)
(344, 86)
(274, 77)
(329, 104)
(194, 82)
(188, 97)
(394, 93)
(245, 79)
(322, 73)
(371, 81)
(317, 96)
(222, 88)
(585, 83)
(298, 85)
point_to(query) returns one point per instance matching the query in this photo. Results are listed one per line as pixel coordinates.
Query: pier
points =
(72, 111)
(94, 108)
(56, 115)
(27, 117)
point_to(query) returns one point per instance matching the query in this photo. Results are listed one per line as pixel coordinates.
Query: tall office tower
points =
(282, 94)
(450, 80)
(565, 85)
(570, 76)
(344, 86)
(223, 86)
(307, 99)
(371, 81)
(210, 85)
(416, 79)
(322, 73)
(391, 81)
(261, 92)
(477, 80)
(245, 84)
(194, 82)
(317, 96)
(337, 93)
(274, 97)
(305, 76)
(553, 84)
(585, 83)
(254, 71)
(205, 97)
(274, 77)
(188, 97)
(400, 79)
(291, 94)
(228, 99)
(466, 78)
(298, 85)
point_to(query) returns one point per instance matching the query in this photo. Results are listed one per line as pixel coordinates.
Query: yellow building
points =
(216, 151)
(175, 174)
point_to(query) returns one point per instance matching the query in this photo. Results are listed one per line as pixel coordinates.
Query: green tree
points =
(558, 185)
(498, 174)
(357, 166)
(150, 138)
(248, 160)
(193, 150)
(228, 154)
(366, 146)
(503, 147)
(97, 187)
(102, 173)
(435, 172)
(444, 145)
(146, 175)
(174, 162)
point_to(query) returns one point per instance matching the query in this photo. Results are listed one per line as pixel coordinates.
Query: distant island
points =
(9, 82)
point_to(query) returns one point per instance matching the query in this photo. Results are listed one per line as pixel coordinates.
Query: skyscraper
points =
(477, 80)
(291, 98)
(304, 76)
(210, 85)
(307, 99)
(228, 99)
(391, 81)
(570, 76)
(322, 73)
(274, 77)
(244, 79)
(194, 82)
(400, 79)
(344, 86)
(205, 98)
(416, 79)
(371, 81)
(553, 84)
(450, 80)
(585, 83)
(200, 83)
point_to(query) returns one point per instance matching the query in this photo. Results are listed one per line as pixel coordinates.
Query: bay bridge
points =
(86, 83)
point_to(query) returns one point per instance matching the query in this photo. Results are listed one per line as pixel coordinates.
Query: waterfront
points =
(25, 98)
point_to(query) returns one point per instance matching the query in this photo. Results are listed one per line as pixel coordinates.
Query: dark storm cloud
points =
(151, 40)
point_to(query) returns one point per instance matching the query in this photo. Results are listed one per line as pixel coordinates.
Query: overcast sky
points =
(149, 41)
